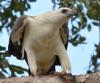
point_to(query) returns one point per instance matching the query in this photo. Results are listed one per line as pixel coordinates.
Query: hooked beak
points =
(72, 12)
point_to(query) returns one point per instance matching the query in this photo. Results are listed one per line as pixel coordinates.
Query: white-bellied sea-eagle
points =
(42, 40)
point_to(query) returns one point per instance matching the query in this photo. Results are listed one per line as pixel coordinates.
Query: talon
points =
(60, 73)
(63, 75)
(32, 74)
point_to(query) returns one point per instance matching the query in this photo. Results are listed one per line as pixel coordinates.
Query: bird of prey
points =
(42, 40)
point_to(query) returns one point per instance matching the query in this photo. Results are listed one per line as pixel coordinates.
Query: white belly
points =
(43, 44)
(45, 54)
(44, 50)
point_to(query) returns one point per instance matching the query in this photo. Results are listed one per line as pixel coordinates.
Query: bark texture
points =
(87, 78)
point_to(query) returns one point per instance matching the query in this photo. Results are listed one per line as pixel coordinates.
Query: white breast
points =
(43, 40)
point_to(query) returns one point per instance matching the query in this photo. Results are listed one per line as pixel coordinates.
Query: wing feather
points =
(16, 37)
(64, 33)
(18, 29)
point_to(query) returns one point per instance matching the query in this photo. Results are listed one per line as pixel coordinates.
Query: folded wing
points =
(64, 33)
(16, 37)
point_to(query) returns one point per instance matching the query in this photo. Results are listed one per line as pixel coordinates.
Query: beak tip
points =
(75, 12)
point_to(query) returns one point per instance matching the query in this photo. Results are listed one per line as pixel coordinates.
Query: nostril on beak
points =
(64, 11)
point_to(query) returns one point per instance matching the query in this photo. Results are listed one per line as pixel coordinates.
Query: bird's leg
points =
(31, 61)
(64, 60)
(65, 63)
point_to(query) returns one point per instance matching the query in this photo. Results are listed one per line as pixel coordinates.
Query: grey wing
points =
(18, 29)
(16, 37)
(64, 33)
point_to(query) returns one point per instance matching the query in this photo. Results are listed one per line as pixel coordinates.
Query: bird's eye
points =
(63, 10)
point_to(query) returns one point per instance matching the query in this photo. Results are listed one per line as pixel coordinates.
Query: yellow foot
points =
(64, 76)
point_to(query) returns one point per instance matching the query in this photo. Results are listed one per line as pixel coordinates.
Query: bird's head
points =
(59, 15)
(64, 13)
(67, 12)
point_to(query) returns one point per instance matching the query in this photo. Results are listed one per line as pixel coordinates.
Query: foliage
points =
(94, 60)
(9, 11)
(87, 10)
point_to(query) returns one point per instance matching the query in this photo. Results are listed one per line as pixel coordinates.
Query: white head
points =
(58, 16)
